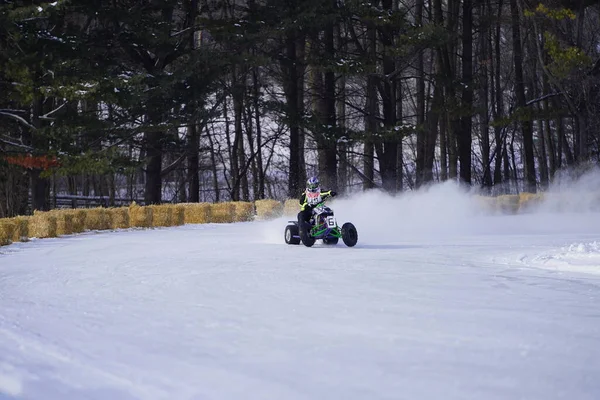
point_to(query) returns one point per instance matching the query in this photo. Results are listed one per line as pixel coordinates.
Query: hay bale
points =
(21, 232)
(140, 217)
(244, 211)
(529, 201)
(222, 213)
(508, 203)
(197, 213)
(291, 207)
(77, 220)
(97, 219)
(7, 229)
(487, 204)
(267, 209)
(119, 218)
(162, 215)
(178, 214)
(42, 225)
(64, 222)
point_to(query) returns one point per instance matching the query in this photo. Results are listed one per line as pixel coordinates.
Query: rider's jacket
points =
(309, 201)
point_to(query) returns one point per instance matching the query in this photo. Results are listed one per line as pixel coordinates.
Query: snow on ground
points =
(437, 301)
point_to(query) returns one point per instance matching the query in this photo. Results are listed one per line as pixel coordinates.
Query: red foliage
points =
(33, 162)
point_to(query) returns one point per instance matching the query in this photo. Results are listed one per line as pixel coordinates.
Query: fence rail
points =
(77, 201)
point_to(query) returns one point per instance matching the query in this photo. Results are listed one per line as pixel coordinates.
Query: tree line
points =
(210, 100)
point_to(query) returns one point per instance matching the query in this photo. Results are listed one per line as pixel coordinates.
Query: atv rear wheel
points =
(307, 239)
(292, 234)
(349, 234)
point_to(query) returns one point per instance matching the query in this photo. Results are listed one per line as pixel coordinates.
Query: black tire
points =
(331, 240)
(292, 234)
(307, 240)
(349, 234)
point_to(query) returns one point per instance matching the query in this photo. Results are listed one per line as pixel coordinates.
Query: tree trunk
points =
(484, 121)
(371, 117)
(388, 157)
(341, 119)
(500, 139)
(40, 187)
(214, 169)
(329, 172)
(431, 134)
(323, 86)
(153, 189)
(464, 136)
(260, 177)
(530, 178)
(420, 103)
(249, 122)
(193, 173)
(291, 89)
(399, 117)
(542, 156)
(238, 177)
(342, 147)
(446, 55)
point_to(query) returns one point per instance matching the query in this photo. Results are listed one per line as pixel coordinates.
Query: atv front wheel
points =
(349, 234)
(292, 234)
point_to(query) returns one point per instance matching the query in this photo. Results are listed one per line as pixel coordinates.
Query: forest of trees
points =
(212, 100)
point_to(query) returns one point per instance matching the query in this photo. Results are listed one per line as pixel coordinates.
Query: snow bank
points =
(577, 257)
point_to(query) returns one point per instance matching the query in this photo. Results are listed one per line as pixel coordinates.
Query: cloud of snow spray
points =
(572, 204)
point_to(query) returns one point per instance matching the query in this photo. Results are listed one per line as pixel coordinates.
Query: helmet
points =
(312, 184)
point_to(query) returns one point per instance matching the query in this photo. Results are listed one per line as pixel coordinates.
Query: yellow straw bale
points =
(508, 203)
(140, 217)
(528, 201)
(64, 222)
(291, 207)
(7, 229)
(21, 232)
(119, 218)
(487, 204)
(178, 214)
(197, 213)
(42, 225)
(97, 219)
(244, 211)
(267, 209)
(77, 220)
(222, 213)
(162, 215)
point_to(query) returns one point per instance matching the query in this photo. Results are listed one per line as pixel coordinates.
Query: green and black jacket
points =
(304, 203)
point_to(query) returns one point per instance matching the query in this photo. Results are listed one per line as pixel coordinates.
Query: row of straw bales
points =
(66, 221)
(511, 203)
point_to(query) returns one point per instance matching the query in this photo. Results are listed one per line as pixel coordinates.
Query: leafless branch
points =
(47, 115)
(18, 118)
(10, 141)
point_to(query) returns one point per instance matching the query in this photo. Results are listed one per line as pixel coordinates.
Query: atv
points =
(322, 226)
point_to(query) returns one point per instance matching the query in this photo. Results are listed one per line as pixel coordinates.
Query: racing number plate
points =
(331, 221)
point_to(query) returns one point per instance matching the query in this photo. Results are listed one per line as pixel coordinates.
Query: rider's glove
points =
(333, 193)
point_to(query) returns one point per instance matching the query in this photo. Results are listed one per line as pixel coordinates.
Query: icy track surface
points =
(504, 307)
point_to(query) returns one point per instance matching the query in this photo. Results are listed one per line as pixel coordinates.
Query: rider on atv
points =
(310, 198)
